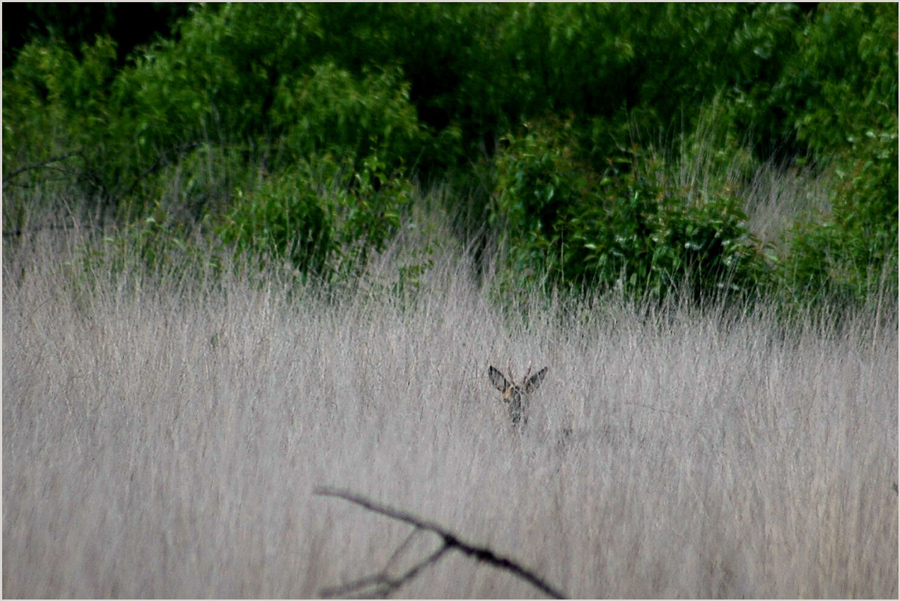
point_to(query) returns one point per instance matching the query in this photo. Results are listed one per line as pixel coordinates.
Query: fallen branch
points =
(384, 584)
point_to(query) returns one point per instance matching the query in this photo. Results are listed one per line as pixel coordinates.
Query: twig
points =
(7, 177)
(450, 541)
(383, 584)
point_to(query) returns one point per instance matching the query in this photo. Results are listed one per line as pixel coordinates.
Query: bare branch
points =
(54, 159)
(383, 585)
(450, 541)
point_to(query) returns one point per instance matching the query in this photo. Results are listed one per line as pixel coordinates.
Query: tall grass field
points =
(164, 437)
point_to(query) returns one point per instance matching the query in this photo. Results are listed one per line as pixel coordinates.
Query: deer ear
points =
(497, 379)
(532, 383)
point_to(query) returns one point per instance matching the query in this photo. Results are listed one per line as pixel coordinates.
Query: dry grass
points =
(160, 443)
(776, 198)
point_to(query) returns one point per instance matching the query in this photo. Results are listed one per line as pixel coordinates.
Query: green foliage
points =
(284, 219)
(370, 213)
(842, 81)
(848, 59)
(643, 238)
(329, 110)
(188, 126)
(619, 229)
(707, 242)
(539, 178)
(53, 104)
(78, 23)
(843, 256)
(324, 218)
(219, 77)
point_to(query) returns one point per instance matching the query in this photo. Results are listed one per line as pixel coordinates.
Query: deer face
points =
(516, 395)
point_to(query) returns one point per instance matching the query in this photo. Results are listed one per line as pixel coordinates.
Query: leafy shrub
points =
(241, 89)
(218, 78)
(284, 219)
(842, 80)
(323, 217)
(54, 104)
(619, 230)
(539, 178)
(847, 58)
(843, 255)
(707, 243)
(330, 110)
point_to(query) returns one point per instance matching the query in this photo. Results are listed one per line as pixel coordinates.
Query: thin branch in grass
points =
(384, 584)
(8, 177)
(381, 584)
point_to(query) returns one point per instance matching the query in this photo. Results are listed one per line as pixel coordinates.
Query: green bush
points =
(322, 217)
(539, 178)
(218, 78)
(847, 59)
(843, 255)
(842, 80)
(186, 127)
(707, 243)
(331, 111)
(616, 230)
(55, 105)
(284, 219)
(640, 237)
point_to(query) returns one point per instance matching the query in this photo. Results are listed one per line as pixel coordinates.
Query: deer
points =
(516, 395)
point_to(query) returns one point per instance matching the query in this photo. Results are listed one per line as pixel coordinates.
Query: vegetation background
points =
(251, 249)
